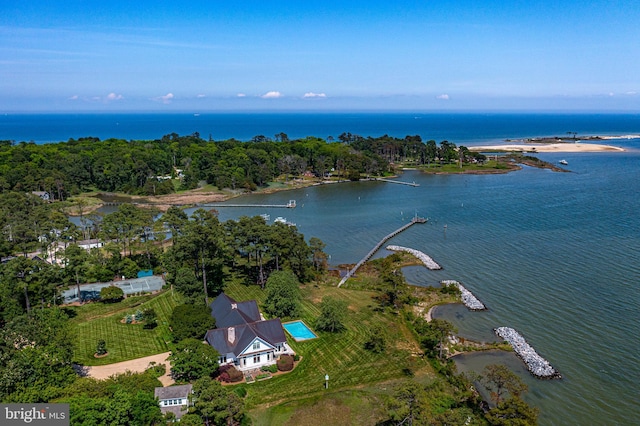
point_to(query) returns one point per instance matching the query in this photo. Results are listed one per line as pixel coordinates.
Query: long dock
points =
(290, 205)
(398, 182)
(283, 206)
(377, 247)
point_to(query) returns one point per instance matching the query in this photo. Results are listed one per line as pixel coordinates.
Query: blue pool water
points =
(299, 331)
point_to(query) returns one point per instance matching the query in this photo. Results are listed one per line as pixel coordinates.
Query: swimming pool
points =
(299, 330)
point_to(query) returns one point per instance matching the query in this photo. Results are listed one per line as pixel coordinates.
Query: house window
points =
(256, 359)
(268, 356)
(244, 361)
(256, 345)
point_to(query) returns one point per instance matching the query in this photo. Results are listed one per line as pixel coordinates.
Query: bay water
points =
(554, 255)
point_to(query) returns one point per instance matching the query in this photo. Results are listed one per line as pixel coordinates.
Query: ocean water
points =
(455, 127)
(554, 255)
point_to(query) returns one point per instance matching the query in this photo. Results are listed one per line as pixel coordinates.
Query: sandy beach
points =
(550, 147)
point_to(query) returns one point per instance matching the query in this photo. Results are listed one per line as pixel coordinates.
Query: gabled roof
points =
(269, 331)
(229, 313)
(173, 392)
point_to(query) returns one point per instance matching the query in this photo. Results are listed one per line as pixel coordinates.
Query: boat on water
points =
(282, 220)
(563, 162)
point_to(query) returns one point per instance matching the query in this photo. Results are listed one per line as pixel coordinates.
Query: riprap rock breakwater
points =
(537, 365)
(426, 260)
(469, 300)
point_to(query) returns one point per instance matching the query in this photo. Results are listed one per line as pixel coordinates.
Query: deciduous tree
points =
(192, 359)
(499, 380)
(282, 295)
(332, 314)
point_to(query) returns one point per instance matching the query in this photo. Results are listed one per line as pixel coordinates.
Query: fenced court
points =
(129, 287)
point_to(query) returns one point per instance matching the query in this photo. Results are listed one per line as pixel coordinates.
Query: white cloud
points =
(113, 97)
(271, 95)
(74, 98)
(201, 96)
(611, 94)
(631, 93)
(241, 95)
(165, 99)
(443, 97)
(311, 95)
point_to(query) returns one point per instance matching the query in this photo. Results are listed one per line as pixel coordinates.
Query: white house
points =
(174, 399)
(90, 244)
(243, 338)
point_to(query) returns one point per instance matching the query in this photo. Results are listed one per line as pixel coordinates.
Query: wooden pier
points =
(290, 205)
(353, 270)
(398, 182)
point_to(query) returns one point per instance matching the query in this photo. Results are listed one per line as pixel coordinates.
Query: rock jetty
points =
(469, 300)
(426, 260)
(537, 365)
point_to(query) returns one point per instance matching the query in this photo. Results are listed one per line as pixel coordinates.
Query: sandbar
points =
(548, 147)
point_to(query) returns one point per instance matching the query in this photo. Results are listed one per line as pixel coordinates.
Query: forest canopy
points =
(147, 167)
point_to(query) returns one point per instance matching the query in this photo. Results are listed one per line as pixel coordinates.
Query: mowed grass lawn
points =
(340, 355)
(95, 321)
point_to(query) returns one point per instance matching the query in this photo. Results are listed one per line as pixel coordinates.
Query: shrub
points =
(285, 363)
(101, 348)
(150, 318)
(269, 368)
(156, 370)
(296, 357)
(229, 374)
(111, 294)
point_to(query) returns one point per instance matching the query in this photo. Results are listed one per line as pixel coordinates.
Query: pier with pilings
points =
(290, 205)
(353, 270)
(399, 182)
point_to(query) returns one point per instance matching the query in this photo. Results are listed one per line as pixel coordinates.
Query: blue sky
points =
(319, 55)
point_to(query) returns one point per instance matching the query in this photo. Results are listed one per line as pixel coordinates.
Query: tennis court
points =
(131, 286)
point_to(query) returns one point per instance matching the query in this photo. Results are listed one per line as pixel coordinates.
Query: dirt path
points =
(138, 365)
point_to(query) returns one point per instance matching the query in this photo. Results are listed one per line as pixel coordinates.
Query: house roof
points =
(173, 392)
(269, 331)
(229, 313)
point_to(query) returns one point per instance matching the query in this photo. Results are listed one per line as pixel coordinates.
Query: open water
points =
(554, 255)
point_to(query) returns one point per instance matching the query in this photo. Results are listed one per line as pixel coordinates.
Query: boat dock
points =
(216, 205)
(290, 205)
(377, 247)
(398, 182)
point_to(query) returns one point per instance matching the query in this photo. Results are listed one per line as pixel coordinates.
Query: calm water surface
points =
(554, 255)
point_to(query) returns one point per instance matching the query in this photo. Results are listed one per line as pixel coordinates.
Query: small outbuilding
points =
(174, 399)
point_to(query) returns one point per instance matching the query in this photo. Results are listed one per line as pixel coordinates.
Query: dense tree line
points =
(145, 166)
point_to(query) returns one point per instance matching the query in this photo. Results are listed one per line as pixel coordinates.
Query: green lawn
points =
(341, 355)
(96, 321)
